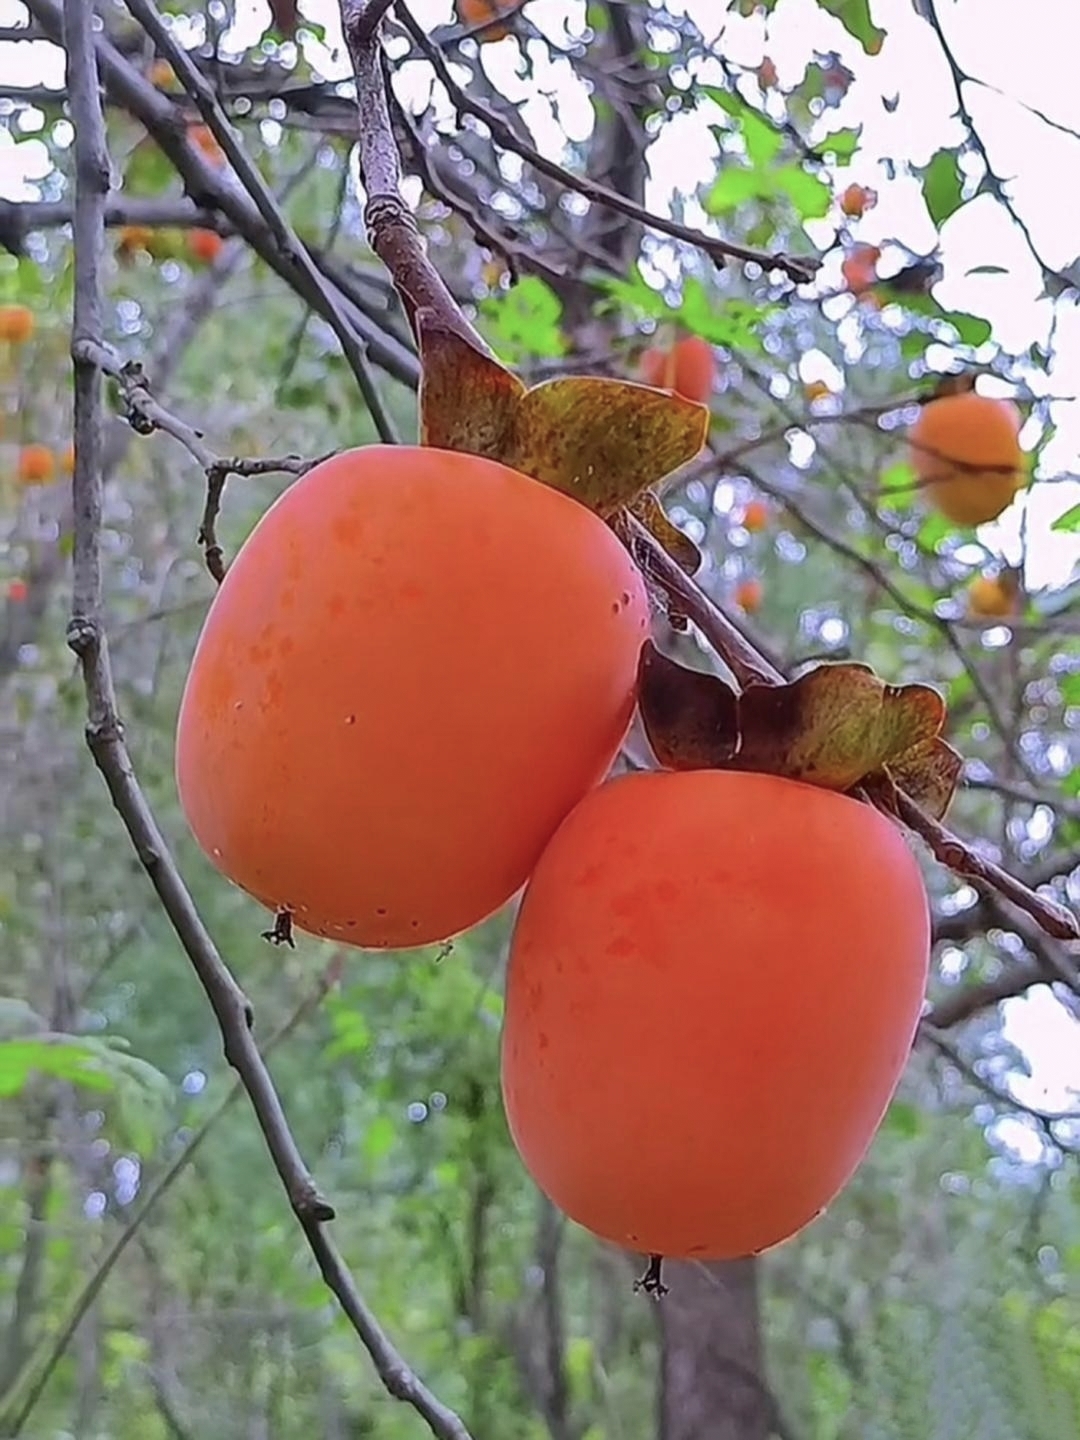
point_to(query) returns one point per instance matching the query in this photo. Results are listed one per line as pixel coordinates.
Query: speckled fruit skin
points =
(415, 667)
(714, 983)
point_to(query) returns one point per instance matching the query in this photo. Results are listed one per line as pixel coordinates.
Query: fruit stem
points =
(652, 1282)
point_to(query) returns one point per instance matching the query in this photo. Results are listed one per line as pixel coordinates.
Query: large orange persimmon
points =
(688, 368)
(965, 449)
(714, 983)
(415, 667)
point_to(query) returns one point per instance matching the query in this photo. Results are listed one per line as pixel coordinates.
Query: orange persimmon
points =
(859, 268)
(204, 245)
(748, 596)
(16, 324)
(714, 982)
(965, 450)
(755, 517)
(856, 200)
(688, 368)
(37, 465)
(415, 667)
(474, 13)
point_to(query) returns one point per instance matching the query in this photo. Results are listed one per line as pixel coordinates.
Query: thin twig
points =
(798, 268)
(87, 638)
(289, 244)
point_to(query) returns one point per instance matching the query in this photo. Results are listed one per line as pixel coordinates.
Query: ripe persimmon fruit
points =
(415, 667)
(855, 200)
(16, 324)
(714, 983)
(17, 591)
(965, 450)
(474, 13)
(204, 245)
(990, 597)
(688, 368)
(37, 465)
(748, 595)
(859, 268)
(755, 517)
(205, 139)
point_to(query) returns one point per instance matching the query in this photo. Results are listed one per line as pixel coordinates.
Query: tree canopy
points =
(257, 1189)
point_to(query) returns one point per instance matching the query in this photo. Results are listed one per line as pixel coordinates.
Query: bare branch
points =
(800, 269)
(288, 243)
(87, 638)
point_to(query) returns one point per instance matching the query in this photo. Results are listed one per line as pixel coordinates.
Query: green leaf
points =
(943, 186)
(379, 1138)
(59, 1057)
(733, 187)
(903, 1119)
(1069, 523)
(854, 15)
(763, 141)
(973, 330)
(841, 144)
(524, 322)
(734, 323)
(1070, 689)
(810, 196)
(898, 478)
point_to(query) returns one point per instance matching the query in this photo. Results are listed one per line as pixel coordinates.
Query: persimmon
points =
(37, 465)
(991, 597)
(965, 450)
(134, 237)
(203, 137)
(416, 665)
(162, 75)
(748, 595)
(688, 368)
(859, 268)
(17, 591)
(713, 986)
(16, 324)
(204, 245)
(475, 13)
(755, 517)
(856, 200)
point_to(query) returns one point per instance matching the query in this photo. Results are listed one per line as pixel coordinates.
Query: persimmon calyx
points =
(837, 726)
(603, 441)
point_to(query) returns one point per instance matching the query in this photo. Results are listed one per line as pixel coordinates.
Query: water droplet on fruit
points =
(350, 719)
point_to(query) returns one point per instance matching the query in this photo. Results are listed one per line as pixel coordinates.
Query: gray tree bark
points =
(712, 1385)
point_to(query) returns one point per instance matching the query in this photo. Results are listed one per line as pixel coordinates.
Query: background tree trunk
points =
(711, 1381)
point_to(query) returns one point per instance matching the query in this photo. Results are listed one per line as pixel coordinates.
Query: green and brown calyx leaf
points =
(837, 726)
(605, 442)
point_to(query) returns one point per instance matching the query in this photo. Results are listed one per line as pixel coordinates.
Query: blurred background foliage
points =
(938, 1297)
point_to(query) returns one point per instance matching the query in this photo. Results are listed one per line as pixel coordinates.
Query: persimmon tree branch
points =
(105, 736)
(145, 415)
(800, 269)
(210, 188)
(288, 243)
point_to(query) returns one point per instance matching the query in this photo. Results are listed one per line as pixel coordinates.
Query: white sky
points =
(1026, 48)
